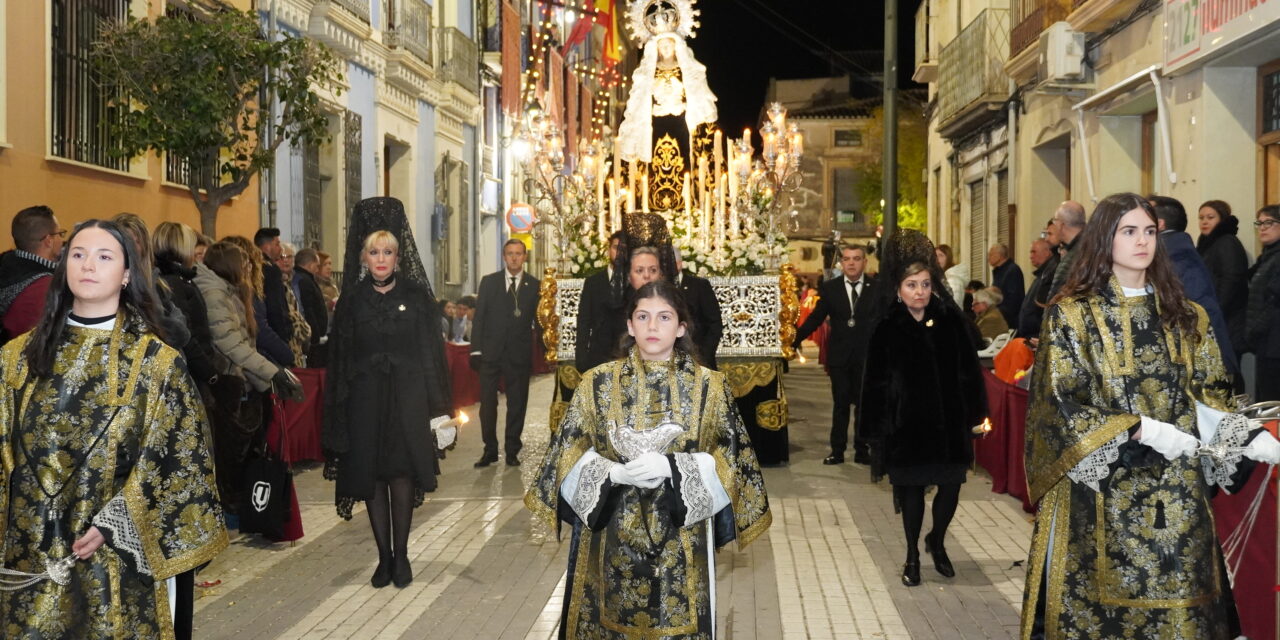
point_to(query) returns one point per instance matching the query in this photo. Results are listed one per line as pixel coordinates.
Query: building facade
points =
(1038, 101)
(55, 142)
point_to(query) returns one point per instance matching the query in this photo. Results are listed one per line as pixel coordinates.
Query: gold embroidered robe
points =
(640, 565)
(125, 429)
(1138, 557)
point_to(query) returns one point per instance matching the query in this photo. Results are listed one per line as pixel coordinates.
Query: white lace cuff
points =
(1225, 449)
(583, 485)
(700, 488)
(1097, 465)
(118, 528)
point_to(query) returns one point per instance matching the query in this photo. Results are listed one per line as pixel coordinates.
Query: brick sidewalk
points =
(828, 568)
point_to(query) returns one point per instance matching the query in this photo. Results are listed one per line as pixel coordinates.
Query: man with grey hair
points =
(708, 326)
(1006, 275)
(1045, 261)
(1069, 220)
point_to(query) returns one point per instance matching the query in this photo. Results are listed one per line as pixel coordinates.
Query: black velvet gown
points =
(386, 381)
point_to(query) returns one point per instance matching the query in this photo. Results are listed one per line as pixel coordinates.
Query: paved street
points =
(827, 568)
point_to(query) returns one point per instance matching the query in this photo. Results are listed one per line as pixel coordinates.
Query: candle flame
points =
(803, 359)
(463, 418)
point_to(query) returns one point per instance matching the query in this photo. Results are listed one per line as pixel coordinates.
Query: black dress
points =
(922, 394)
(386, 381)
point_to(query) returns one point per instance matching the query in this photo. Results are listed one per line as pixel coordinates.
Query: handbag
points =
(266, 506)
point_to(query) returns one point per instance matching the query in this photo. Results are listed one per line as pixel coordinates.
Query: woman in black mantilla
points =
(922, 396)
(386, 383)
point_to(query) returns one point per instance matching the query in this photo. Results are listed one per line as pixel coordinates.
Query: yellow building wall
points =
(74, 191)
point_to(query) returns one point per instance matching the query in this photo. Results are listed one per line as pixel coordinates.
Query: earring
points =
(899, 298)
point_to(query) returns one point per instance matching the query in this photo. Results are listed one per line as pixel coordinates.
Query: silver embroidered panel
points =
(749, 308)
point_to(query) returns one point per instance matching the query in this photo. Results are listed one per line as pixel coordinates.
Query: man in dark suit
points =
(502, 347)
(1197, 282)
(708, 326)
(268, 240)
(843, 300)
(600, 321)
(1007, 276)
(314, 309)
(1045, 262)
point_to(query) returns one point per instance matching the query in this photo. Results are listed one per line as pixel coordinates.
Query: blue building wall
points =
(426, 184)
(361, 99)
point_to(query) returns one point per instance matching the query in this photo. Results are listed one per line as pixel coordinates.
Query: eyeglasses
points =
(61, 234)
(1265, 224)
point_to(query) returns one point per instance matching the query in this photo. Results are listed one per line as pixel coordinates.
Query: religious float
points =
(726, 209)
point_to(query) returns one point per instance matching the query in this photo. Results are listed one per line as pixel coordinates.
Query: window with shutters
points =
(977, 230)
(82, 109)
(1004, 221)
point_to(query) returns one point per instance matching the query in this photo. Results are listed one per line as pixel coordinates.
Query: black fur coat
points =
(922, 394)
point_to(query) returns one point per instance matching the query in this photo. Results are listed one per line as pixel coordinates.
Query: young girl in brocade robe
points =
(653, 470)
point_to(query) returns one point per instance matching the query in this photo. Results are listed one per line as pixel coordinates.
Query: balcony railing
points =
(358, 7)
(459, 59)
(971, 67)
(1045, 13)
(411, 29)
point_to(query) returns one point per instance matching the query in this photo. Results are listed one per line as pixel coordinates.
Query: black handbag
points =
(265, 506)
(267, 501)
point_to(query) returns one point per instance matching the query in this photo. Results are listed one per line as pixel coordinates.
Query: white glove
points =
(1264, 448)
(445, 429)
(650, 469)
(1166, 439)
(618, 474)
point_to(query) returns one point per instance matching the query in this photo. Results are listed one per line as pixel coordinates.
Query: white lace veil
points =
(635, 134)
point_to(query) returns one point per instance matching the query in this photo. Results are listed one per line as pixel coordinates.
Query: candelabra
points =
(773, 179)
(567, 202)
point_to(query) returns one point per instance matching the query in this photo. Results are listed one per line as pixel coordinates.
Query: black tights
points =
(911, 500)
(392, 502)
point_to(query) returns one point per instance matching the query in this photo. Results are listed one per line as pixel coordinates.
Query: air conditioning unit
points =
(1062, 54)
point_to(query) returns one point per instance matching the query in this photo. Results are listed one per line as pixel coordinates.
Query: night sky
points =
(741, 51)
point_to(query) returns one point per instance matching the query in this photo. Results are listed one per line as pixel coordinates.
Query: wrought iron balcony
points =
(459, 59)
(1029, 28)
(971, 77)
(359, 8)
(411, 29)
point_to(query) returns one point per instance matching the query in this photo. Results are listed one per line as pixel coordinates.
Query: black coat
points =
(846, 346)
(1262, 324)
(1197, 284)
(708, 326)
(314, 309)
(1008, 277)
(277, 304)
(1228, 265)
(601, 323)
(1037, 299)
(497, 333)
(203, 360)
(922, 396)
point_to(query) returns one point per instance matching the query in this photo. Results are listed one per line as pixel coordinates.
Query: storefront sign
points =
(1197, 29)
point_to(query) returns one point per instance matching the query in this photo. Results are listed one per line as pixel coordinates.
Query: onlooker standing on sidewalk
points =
(1197, 284)
(1228, 265)
(1006, 275)
(1069, 222)
(1262, 326)
(1045, 261)
(502, 347)
(25, 271)
(312, 304)
(277, 305)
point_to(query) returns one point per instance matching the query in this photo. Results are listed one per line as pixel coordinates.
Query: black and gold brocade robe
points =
(640, 560)
(116, 438)
(1135, 555)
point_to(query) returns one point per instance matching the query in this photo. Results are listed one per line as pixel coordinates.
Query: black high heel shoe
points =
(911, 570)
(382, 575)
(941, 562)
(403, 573)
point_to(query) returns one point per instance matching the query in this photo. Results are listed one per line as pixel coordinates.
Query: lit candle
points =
(617, 161)
(733, 173)
(644, 196)
(613, 204)
(687, 194)
(716, 153)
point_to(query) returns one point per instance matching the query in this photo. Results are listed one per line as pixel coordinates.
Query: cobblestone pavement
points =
(827, 569)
